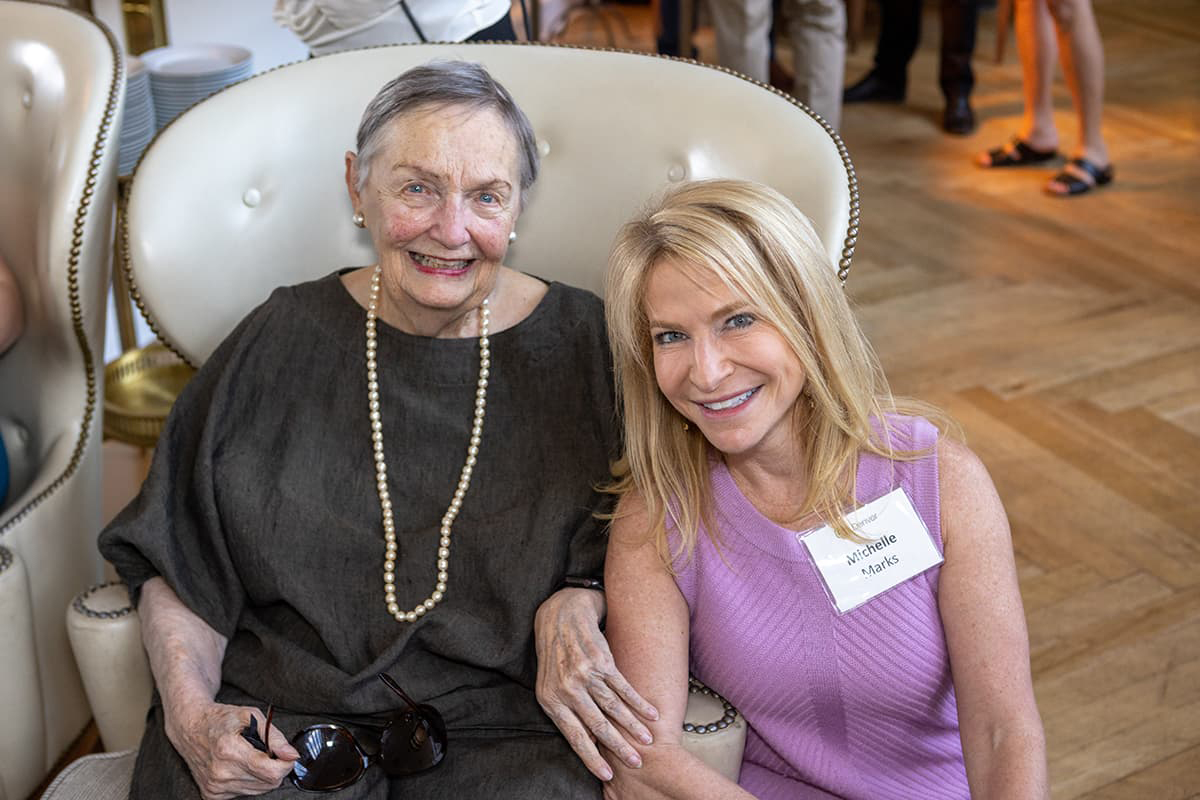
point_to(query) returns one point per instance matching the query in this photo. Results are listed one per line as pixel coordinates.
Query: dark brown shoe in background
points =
(874, 87)
(959, 117)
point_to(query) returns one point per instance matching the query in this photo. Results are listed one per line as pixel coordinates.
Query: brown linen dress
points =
(261, 512)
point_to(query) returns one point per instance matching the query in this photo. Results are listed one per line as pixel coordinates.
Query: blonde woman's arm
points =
(1003, 742)
(648, 631)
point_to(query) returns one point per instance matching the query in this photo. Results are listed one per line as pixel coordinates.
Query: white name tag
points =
(898, 547)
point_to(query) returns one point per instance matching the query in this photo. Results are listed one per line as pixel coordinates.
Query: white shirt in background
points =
(327, 26)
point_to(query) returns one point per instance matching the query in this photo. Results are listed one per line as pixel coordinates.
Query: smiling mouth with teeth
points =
(732, 402)
(440, 264)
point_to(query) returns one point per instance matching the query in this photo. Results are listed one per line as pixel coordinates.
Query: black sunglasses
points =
(412, 740)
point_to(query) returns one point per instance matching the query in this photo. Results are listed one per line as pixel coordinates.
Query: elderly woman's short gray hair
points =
(445, 83)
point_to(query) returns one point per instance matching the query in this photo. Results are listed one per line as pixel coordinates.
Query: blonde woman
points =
(814, 550)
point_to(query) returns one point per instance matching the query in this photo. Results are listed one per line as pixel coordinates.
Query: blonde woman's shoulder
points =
(970, 505)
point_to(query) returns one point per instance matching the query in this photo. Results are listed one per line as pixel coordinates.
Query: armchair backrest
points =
(61, 83)
(245, 192)
(61, 86)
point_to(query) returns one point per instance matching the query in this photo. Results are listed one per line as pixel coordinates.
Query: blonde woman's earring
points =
(512, 236)
(686, 426)
(359, 220)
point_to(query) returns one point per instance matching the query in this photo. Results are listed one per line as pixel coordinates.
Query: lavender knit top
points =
(859, 705)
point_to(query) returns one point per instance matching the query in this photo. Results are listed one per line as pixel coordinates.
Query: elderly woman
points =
(816, 550)
(360, 501)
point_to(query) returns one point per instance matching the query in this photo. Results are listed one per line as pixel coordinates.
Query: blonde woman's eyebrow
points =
(721, 313)
(728, 310)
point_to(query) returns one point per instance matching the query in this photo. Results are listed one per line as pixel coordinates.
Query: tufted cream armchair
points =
(244, 192)
(61, 86)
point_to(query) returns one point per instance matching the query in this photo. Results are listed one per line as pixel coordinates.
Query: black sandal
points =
(1017, 154)
(1075, 184)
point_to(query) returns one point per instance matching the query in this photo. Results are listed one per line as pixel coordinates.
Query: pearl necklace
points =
(464, 478)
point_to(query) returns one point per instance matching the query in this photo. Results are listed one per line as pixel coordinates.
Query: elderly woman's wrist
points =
(582, 582)
(590, 597)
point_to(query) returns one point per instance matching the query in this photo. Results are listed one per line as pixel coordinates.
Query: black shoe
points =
(874, 87)
(958, 118)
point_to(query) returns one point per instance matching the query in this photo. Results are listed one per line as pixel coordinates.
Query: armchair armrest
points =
(106, 638)
(713, 730)
(23, 735)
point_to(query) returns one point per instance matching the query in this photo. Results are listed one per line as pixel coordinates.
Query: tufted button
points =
(252, 198)
(27, 99)
(676, 173)
(543, 148)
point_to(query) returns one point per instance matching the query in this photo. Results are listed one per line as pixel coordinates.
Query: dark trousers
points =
(500, 31)
(900, 31)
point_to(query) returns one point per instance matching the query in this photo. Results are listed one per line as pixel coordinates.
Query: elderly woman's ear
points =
(352, 180)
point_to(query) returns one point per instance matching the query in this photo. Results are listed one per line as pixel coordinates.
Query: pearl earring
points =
(512, 236)
(359, 219)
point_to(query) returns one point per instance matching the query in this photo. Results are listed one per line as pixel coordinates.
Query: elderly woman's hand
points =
(223, 763)
(185, 657)
(579, 686)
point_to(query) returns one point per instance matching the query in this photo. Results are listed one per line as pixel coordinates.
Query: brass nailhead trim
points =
(848, 243)
(81, 606)
(727, 719)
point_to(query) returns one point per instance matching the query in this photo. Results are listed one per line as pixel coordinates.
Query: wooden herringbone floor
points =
(1065, 336)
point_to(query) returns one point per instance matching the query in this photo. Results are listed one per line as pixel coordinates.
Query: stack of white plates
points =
(137, 127)
(182, 75)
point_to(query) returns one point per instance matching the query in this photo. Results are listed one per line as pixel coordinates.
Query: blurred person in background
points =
(12, 324)
(328, 26)
(817, 30)
(899, 34)
(1048, 30)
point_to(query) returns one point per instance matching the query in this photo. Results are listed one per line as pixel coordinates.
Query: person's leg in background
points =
(1036, 141)
(667, 42)
(959, 21)
(817, 29)
(742, 27)
(1082, 53)
(899, 32)
(781, 78)
(1038, 50)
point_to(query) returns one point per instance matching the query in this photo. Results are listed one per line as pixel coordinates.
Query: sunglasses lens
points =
(329, 758)
(413, 742)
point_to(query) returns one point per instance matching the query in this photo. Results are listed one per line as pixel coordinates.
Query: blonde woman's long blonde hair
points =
(761, 246)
